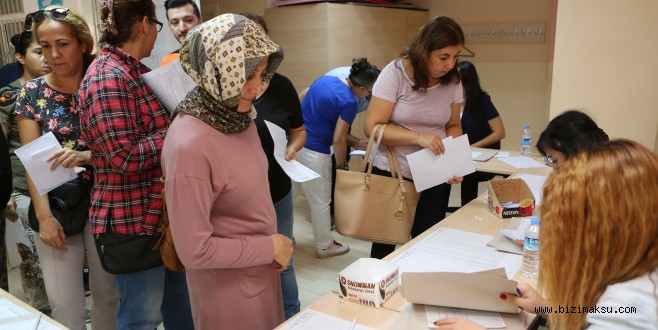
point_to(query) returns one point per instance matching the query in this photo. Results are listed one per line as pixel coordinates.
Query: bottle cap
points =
(534, 221)
(526, 126)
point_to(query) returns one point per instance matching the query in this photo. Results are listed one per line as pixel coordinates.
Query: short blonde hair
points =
(78, 28)
(599, 225)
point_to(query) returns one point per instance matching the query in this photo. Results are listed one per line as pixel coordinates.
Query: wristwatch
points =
(341, 167)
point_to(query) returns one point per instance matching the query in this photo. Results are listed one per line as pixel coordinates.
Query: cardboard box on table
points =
(501, 192)
(368, 281)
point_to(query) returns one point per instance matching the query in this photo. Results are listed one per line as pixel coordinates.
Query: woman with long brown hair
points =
(598, 242)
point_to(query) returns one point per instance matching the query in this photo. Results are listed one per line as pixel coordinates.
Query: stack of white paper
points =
(522, 162)
(310, 319)
(451, 250)
(14, 317)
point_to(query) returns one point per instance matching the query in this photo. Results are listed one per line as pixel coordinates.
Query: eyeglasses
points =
(40, 15)
(549, 161)
(158, 23)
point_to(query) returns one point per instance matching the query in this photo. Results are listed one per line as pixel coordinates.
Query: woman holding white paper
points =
(48, 104)
(419, 96)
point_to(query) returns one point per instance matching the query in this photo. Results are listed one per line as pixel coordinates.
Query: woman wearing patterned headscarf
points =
(222, 219)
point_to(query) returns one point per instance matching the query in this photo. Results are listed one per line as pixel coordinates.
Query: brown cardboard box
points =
(506, 191)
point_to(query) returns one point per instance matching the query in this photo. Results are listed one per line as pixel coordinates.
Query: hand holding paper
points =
(294, 169)
(431, 170)
(170, 84)
(34, 157)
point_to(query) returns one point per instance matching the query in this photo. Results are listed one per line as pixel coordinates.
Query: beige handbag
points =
(372, 207)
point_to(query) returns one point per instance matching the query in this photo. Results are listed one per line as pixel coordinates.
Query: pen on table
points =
(36, 325)
(353, 325)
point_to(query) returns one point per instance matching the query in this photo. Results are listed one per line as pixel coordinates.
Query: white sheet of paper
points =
(14, 317)
(490, 320)
(516, 228)
(33, 156)
(535, 183)
(522, 162)
(502, 154)
(358, 153)
(429, 170)
(15, 233)
(310, 319)
(294, 169)
(451, 250)
(483, 156)
(170, 84)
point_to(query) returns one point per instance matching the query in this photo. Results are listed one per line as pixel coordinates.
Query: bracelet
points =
(341, 167)
(417, 136)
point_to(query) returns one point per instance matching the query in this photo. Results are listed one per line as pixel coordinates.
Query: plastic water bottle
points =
(531, 250)
(526, 142)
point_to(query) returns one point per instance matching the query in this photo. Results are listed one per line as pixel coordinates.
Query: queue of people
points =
(236, 239)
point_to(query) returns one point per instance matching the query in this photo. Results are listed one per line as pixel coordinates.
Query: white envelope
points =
(33, 156)
(479, 290)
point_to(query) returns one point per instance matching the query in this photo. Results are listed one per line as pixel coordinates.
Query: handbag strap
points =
(366, 157)
(378, 130)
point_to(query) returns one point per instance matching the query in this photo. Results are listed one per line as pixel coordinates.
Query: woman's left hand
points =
(69, 158)
(456, 179)
(452, 323)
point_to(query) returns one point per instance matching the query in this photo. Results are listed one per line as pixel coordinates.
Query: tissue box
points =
(369, 282)
(509, 198)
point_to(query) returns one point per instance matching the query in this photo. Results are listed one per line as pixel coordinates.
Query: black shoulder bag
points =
(69, 204)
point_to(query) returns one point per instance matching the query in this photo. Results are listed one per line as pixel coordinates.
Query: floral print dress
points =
(53, 111)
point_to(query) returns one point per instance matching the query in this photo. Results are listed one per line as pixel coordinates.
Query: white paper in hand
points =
(33, 156)
(429, 170)
(294, 169)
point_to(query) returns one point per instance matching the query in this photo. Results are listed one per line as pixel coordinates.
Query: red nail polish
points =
(503, 296)
(436, 323)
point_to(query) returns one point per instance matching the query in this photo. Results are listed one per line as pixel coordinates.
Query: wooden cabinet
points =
(319, 37)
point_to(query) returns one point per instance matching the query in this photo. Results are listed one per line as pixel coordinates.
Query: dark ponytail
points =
(117, 22)
(363, 74)
(22, 42)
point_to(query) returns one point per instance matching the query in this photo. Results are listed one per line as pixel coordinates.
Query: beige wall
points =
(212, 8)
(516, 75)
(595, 49)
(605, 61)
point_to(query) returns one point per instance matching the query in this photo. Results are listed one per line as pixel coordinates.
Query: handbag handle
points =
(378, 131)
(366, 157)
